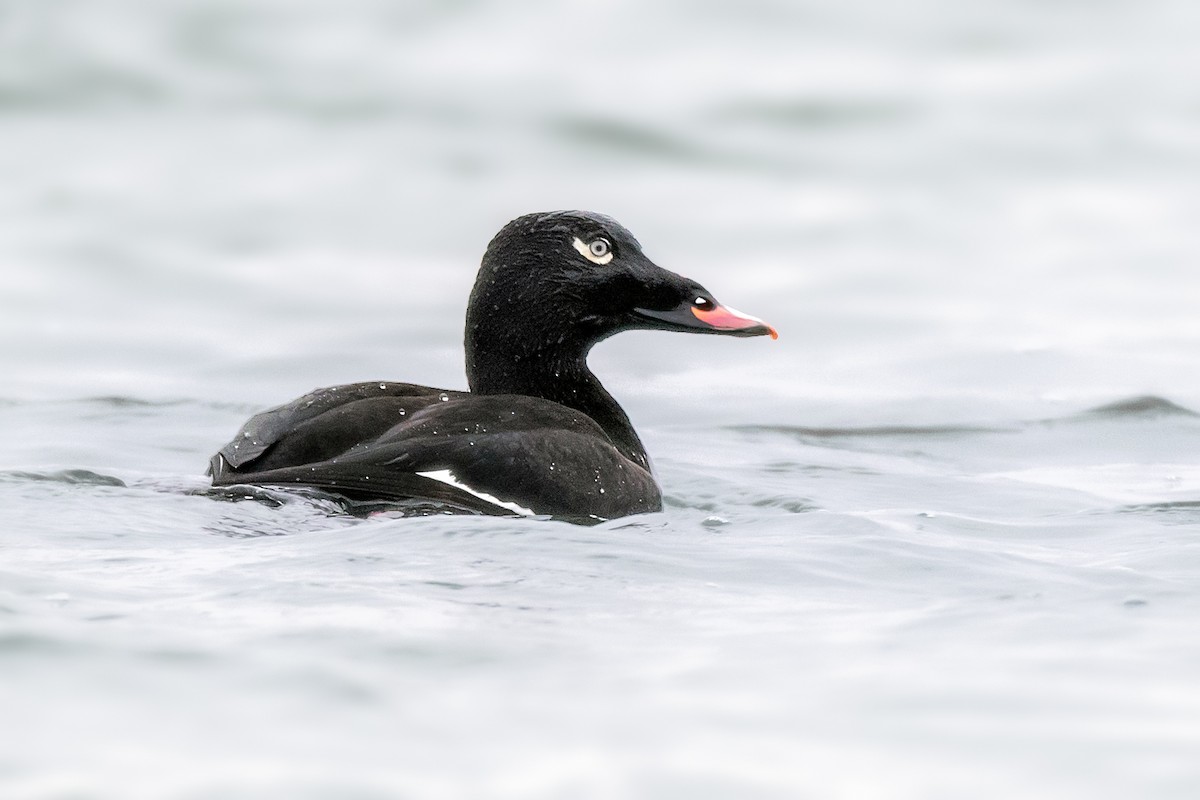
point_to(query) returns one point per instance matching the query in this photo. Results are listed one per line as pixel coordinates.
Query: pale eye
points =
(598, 251)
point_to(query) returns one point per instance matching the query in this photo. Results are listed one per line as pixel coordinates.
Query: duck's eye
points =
(598, 251)
(703, 302)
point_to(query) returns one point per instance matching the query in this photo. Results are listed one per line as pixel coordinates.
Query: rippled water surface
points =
(941, 540)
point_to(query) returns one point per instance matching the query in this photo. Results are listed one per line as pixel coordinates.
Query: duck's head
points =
(564, 280)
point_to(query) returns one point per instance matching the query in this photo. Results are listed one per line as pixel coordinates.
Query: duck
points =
(537, 434)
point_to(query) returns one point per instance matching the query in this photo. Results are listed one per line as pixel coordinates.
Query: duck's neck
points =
(563, 379)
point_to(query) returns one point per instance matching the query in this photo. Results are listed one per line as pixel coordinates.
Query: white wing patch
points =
(445, 476)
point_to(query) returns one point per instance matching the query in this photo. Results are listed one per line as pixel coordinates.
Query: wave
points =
(815, 113)
(1144, 406)
(1167, 512)
(128, 401)
(622, 137)
(79, 477)
(875, 431)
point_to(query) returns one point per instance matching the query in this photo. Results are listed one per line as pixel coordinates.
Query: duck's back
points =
(494, 454)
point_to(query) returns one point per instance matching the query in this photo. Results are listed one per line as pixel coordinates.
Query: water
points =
(939, 540)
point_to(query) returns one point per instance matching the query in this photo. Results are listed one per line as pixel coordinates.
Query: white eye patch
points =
(598, 251)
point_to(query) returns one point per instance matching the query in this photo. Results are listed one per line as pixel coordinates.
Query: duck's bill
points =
(713, 319)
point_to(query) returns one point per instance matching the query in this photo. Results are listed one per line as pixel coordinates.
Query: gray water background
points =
(904, 556)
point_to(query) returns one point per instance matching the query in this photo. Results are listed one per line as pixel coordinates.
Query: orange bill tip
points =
(728, 319)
